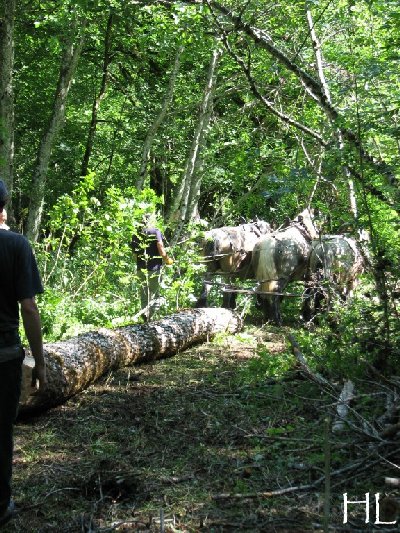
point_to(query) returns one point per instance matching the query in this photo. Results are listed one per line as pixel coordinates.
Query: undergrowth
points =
(203, 441)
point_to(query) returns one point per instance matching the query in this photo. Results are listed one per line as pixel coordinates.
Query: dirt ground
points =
(211, 439)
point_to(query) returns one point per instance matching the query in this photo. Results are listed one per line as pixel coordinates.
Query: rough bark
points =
(6, 93)
(76, 363)
(158, 121)
(69, 63)
(304, 367)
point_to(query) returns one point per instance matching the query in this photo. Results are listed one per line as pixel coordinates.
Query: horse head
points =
(306, 220)
(262, 227)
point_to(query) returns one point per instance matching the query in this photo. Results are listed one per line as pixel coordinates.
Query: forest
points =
(209, 114)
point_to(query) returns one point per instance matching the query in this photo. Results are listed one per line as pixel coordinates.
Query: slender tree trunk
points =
(152, 132)
(325, 89)
(69, 63)
(100, 96)
(74, 364)
(6, 93)
(186, 195)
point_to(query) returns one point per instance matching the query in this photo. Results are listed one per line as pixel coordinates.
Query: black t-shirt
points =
(19, 277)
(144, 245)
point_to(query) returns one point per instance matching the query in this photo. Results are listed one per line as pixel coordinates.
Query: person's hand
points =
(169, 261)
(39, 375)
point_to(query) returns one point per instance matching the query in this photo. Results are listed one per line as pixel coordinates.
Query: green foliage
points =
(344, 344)
(251, 163)
(268, 364)
(88, 267)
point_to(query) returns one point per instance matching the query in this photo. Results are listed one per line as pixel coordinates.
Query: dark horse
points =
(227, 251)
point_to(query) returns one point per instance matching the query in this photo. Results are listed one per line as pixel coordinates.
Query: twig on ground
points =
(314, 376)
(34, 505)
(392, 481)
(358, 466)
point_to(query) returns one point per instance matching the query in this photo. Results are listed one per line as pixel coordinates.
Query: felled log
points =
(74, 364)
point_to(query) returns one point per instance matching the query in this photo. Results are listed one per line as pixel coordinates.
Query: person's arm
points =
(161, 250)
(33, 329)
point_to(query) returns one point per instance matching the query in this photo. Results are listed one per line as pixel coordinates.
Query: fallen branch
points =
(314, 376)
(342, 407)
(266, 494)
(358, 466)
(391, 414)
(392, 481)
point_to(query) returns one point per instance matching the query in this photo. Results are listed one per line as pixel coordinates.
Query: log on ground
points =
(74, 364)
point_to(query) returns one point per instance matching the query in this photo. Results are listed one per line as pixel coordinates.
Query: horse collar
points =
(304, 230)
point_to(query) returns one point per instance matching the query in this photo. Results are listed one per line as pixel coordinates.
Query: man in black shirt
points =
(148, 246)
(19, 283)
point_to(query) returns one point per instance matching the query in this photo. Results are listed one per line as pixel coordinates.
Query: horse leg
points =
(276, 310)
(270, 302)
(228, 300)
(276, 286)
(202, 300)
(271, 309)
(306, 311)
(318, 299)
(265, 306)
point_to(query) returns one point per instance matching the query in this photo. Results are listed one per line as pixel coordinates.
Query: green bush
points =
(87, 265)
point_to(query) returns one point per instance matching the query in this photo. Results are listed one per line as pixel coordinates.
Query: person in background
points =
(19, 283)
(148, 246)
(3, 220)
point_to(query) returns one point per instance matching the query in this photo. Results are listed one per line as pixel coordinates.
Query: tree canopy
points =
(199, 110)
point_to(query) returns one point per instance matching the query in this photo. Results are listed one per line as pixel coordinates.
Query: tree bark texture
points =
(6, 92)
(69, 63)
(74, 364)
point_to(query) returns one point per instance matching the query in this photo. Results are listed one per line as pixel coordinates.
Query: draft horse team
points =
(295, 252)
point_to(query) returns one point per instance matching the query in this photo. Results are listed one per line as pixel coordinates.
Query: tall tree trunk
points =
(186, 196)
(6, 93)
(74, 364)
(325, 89)
(158, 121)
(69, 63)
(100, 96)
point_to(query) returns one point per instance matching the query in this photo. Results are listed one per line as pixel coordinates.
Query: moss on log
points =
(74, 364)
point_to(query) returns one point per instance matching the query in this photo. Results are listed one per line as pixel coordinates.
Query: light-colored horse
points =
(336, 262)
(227, 251)
(282, 257)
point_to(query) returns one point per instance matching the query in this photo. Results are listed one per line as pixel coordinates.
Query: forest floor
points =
(208, 440)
